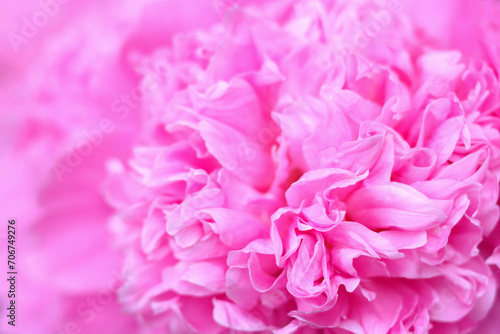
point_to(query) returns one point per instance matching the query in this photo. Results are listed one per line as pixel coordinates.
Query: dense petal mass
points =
(308, 175)
(275, 166)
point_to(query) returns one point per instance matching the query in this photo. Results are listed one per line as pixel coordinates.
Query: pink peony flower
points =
(289, 179)
(255, 166)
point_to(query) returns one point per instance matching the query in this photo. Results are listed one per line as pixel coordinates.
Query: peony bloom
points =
(290, 178)
(273, 167)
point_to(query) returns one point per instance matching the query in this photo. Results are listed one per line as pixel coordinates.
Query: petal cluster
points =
(309, 166)
(314, 166)
(317, 166)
